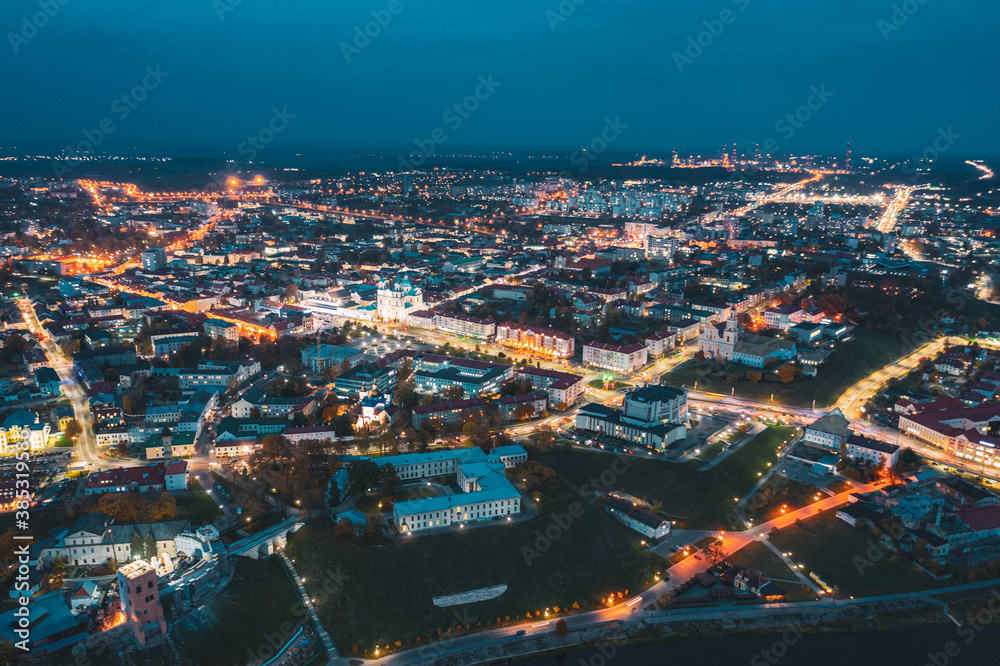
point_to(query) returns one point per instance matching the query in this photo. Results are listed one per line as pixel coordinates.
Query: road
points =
(86, 443)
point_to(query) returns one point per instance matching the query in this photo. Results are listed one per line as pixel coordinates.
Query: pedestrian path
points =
(324, 637)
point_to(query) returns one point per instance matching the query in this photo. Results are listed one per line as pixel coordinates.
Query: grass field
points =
(840, 555)
(779, 493)
(755, 554)
(697, 500)
(199, 507)
(258, 608)
(855, 360)
(388, 589)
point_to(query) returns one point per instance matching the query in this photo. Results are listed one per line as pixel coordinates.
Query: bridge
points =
(266, 542)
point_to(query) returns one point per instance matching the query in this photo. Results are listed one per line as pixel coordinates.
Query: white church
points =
(728, 342)
(396, 300)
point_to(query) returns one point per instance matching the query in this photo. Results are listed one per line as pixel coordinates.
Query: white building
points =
(460, 324)
(727, 342)
(544, 342)
(396, 300)
(486, 492)
(872, 451)
(828, 431)
(653, 416)
(623, 360)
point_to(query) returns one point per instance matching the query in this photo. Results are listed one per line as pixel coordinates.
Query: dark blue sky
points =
(892, 89)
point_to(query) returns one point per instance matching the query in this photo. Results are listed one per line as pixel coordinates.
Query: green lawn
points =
(779, 493)
(698, 500)
(854, 361)
(757, 555)
(388, 589)
(839, 554)
(712, 450)
(259, 603)
(599, 384)
(199, 507)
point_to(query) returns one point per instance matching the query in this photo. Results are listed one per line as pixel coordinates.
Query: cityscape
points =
(527, 366)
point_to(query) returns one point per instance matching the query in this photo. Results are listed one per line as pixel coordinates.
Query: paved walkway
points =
(324, 637)
(755, 430)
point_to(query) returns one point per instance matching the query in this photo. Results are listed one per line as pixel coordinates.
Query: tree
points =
(715, 551)
(73, 429)
(453, 393)
(149, 547)
(562, 628)
(272, 445)
(291, 291)
(754, 376)
(699, 356)
(344, 528)
(524, 411)
(137, 546)
(786, 373)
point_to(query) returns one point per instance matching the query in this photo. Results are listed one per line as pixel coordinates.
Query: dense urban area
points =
(493, 407)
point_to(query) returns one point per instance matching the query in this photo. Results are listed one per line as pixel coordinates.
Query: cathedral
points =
(728, 342)
(396, 300)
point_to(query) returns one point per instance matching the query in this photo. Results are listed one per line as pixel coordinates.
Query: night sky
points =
(883, 79)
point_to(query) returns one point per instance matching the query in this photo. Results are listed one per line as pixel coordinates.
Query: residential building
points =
(217, 328)
(544, 342)
(642, 521)
(366, 379)
(829, 431)
(465, 325)
(434, 373)
(871, 451)
(154, 258)
(564, 389)
(320, 357)
(528, 405)
(449, 413)
(621, 359)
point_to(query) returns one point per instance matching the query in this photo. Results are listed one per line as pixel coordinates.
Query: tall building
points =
(154, 258)
(396, 300)
(138, 587)
(662, 247)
